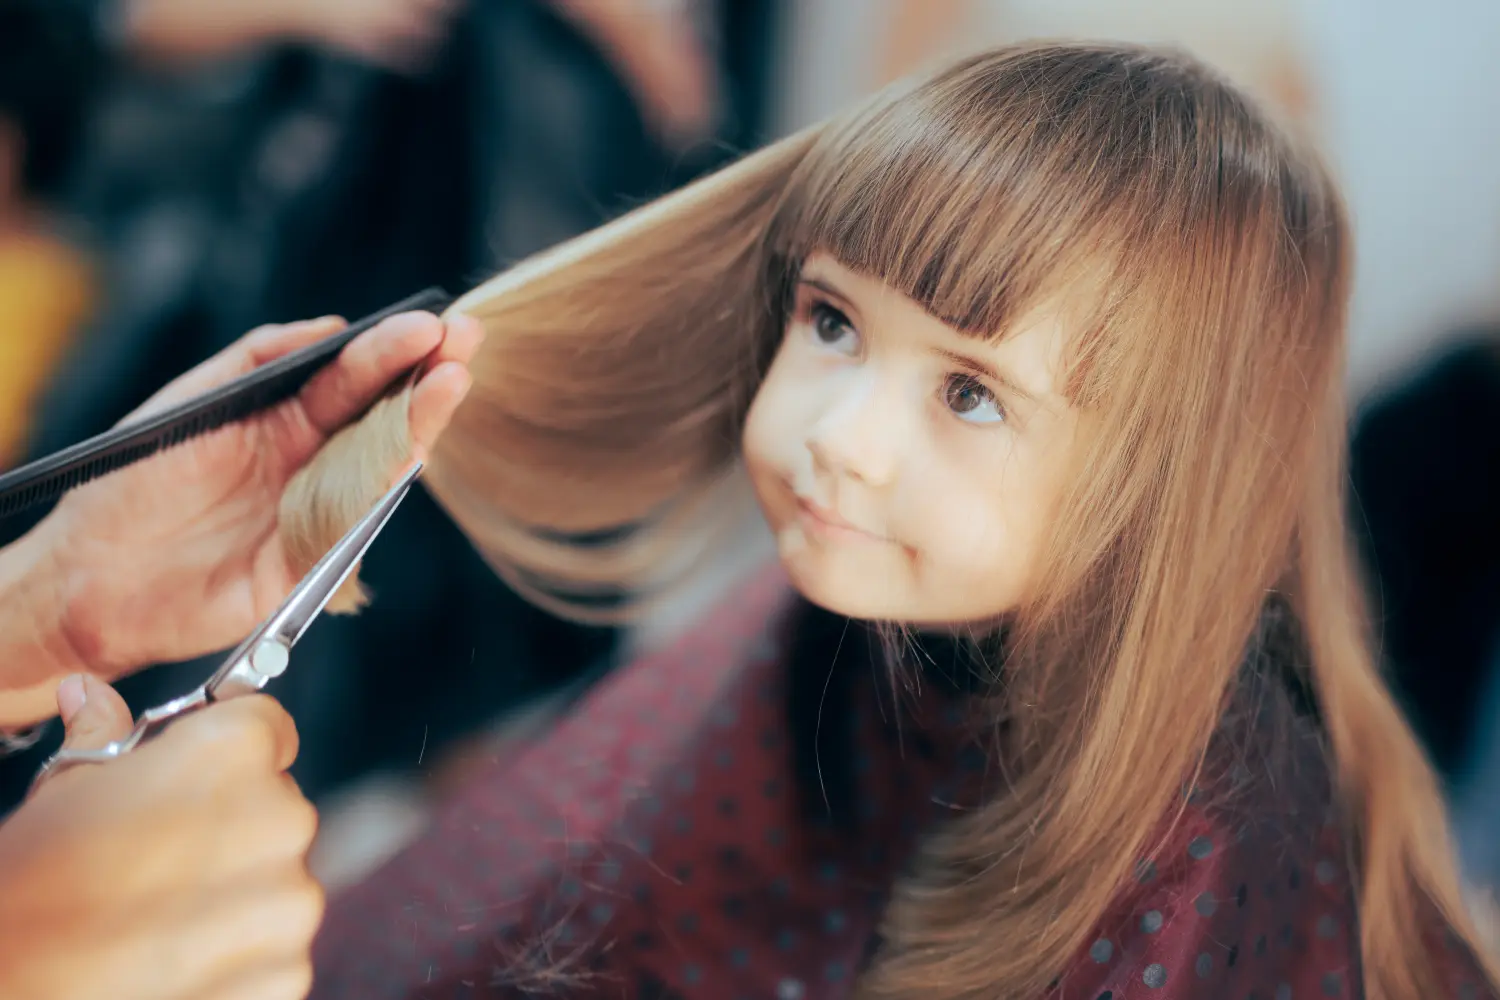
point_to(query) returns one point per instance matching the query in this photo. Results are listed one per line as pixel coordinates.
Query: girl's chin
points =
(840, 581)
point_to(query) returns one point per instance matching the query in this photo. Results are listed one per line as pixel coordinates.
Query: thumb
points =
(93, 713)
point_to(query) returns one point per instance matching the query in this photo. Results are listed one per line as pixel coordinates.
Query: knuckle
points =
(235, 740)
(256, 744)
(201, 733)
(241, 735)
(300, 821)
(306, 909)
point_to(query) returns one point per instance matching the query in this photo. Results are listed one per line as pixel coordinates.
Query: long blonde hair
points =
(1214, 253)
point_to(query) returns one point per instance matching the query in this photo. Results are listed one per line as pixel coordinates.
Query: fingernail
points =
(72, 695)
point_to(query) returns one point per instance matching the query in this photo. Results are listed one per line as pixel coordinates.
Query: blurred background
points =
(175, 172)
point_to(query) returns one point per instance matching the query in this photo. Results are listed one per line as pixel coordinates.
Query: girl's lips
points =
(829, 524)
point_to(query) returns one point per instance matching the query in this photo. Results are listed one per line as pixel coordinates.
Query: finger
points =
(93, 713)
(263, 344)
(462, 336)
(244, 826)
(367, 368)
(255, 937)
(433, 403)
(265, 826)
(250, 733)
(269, 343)
(287, 980)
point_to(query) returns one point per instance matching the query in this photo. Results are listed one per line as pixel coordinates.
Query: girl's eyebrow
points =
(828, 289)
(980, 369)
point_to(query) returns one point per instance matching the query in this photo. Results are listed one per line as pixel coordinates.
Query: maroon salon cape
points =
(671, 838)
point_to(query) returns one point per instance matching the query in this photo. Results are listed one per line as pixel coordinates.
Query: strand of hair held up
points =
(340, 485)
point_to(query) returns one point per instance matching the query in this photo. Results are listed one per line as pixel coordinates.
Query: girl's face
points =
(909, 471)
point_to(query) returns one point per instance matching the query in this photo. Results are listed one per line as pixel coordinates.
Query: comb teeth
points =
(127, 453)
(270, 384)
(86, 470)
(62, 481)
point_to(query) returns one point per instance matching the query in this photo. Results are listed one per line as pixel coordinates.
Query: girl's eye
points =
(971, 401)
(833, 329)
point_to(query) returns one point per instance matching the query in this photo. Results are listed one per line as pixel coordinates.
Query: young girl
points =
(1060, 688)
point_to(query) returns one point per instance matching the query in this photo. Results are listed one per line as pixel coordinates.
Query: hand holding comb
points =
(48, 478)
(181, 555)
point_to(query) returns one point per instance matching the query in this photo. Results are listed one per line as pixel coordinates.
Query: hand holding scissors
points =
(113, 579)
(157, 876)
(264, 655)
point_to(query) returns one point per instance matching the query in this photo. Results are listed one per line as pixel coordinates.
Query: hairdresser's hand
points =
(177, 871)
(181, 554)
(400, 35)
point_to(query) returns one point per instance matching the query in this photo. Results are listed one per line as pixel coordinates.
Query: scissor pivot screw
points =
(270, 659)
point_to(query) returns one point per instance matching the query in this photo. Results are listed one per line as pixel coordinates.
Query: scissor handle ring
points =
(66, 757)
(149, 722)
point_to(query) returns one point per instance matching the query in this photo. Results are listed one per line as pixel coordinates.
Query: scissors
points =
(265, 654)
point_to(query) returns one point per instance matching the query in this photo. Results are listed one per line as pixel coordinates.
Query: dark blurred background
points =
(176, 172)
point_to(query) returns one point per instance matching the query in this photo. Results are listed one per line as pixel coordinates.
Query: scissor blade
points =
(324, 580)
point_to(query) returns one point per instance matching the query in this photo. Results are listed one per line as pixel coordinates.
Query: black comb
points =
(274, 382)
